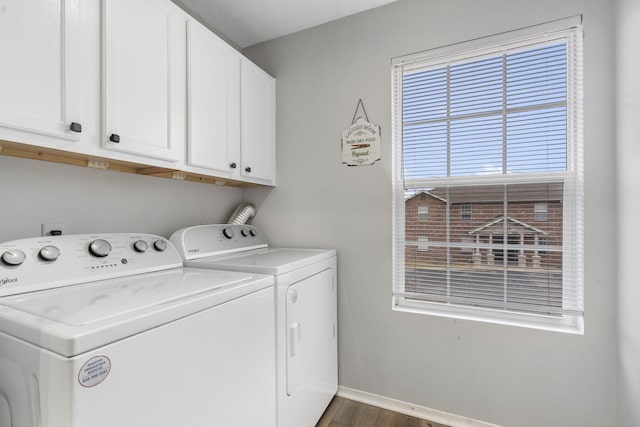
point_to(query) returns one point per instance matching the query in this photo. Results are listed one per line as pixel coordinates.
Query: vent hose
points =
(243, 213)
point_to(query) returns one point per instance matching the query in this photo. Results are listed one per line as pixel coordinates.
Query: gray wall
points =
(506, 375)
(91, 201)
(628, 114)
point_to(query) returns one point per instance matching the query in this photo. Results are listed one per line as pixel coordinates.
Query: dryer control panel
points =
(217, 239)
(39, 263)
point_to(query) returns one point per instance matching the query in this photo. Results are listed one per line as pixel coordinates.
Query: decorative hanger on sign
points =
(355, 114)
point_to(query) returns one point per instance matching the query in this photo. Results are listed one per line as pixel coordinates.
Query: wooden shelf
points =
(25, 151)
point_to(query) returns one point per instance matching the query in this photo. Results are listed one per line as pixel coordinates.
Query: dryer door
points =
(311, 313)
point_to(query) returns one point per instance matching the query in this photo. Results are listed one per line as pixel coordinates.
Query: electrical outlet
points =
(56, 228)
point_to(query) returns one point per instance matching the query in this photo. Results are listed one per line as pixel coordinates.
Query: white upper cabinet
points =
(133, 81)
(39, 75)
(143, 78)
(213, 102)
(258, 119)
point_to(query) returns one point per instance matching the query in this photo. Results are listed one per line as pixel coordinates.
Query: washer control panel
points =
(38, 263)
(216, 239)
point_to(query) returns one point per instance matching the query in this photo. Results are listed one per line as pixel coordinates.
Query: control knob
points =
(13, 257)
(100, 248)
(160, 245)
(246, 232)
(49, 253)
(228, 233)
(140, 246)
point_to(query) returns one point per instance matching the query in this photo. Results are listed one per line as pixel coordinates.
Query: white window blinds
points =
(483, 139)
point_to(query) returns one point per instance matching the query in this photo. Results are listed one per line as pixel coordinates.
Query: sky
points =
(499, 114)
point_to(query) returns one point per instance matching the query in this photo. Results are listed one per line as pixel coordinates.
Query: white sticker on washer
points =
(94, 371)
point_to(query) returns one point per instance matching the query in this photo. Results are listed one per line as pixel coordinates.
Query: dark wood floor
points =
(347, 413)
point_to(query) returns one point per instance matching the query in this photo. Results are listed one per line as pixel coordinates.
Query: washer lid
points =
(76, 319)
(266, 261)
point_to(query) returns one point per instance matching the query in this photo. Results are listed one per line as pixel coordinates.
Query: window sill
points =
(564, 324)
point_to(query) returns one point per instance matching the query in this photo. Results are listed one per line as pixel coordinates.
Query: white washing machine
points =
(305, 306)
(111, 330)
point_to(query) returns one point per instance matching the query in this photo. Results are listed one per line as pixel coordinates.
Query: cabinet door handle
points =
(114, 138)
(75, 127)
(233, 165)
(247, 169)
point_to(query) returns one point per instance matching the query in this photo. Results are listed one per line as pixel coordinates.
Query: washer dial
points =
(140, 246)
(49, 253)
(100, 248)
(160, 245)
(13, 257)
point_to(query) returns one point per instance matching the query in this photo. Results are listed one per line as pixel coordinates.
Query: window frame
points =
(541, 214)
(467, 243)
(571, 179)
(466, 212)
(423, 243)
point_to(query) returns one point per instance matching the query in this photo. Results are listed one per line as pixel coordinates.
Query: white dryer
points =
(305, 306)
(111, 330)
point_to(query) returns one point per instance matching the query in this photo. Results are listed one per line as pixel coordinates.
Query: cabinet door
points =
(258, 118)
(39, 74)
(141, 80)
(213, 102)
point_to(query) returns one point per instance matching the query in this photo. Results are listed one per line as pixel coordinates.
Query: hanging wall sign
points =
(361, 140)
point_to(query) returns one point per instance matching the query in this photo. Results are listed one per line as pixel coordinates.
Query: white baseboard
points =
(410, 409)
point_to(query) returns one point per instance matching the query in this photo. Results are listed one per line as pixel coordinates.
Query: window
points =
(467, 244)
(540, 211)
(465, 212)
(423, 213)
(542, 241)
(496, 124)
(423, 243)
